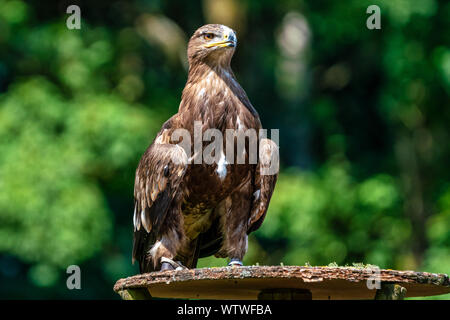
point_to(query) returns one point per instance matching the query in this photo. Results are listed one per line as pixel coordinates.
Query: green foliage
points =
(62, 135)
(331, 211)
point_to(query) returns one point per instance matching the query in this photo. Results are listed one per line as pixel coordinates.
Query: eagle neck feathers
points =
(213, 89)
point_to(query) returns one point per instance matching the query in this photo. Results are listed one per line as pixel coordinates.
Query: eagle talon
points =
(169, 264)
(166, 266)
(235, 263)
(180, 266)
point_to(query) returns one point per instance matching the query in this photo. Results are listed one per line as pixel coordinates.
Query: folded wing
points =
(158, 179)
(264, 183)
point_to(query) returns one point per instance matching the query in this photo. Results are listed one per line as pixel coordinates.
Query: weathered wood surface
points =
(249, 282)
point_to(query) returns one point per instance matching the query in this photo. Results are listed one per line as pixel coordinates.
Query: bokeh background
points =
(363, 115)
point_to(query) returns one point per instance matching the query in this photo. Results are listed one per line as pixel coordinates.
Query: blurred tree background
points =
(363, 116)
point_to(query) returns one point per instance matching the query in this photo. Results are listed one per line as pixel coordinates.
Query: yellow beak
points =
(223, 44)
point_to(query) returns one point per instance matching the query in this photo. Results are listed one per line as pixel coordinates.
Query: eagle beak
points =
(228, 40)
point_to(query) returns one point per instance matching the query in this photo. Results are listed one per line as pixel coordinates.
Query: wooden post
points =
(281, 283)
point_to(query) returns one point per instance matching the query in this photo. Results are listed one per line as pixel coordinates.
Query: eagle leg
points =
(165, 249)
(234, 226)
(235, 263)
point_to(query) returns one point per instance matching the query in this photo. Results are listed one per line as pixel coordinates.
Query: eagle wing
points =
(158, 179)
(264, 183)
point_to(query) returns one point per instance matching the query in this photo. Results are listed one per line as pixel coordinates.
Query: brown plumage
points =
(184, 211)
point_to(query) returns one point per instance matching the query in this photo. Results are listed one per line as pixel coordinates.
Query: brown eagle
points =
(186, 210)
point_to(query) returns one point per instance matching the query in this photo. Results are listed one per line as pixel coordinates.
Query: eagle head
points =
(213, 43)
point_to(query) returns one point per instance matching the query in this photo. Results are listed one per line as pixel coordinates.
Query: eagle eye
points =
(208, 36)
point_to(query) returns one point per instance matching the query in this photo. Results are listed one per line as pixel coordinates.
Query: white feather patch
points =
(154, 248)
(222, 167)
(136, 222)
(145, 221)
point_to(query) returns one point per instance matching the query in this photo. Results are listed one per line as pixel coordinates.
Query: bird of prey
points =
(185, 210)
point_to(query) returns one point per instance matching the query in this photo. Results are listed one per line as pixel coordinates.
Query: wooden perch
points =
(283, 282)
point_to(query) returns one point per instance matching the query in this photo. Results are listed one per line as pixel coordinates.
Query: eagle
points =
(185, 209)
